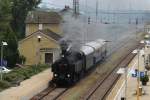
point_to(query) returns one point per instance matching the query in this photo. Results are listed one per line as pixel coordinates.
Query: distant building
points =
(40, 47)
(147, 28)
(43, 32)
(39, 20)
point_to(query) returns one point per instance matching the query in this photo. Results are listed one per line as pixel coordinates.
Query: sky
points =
(103, 4)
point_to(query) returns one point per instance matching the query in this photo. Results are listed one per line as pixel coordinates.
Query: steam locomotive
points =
(74, 64)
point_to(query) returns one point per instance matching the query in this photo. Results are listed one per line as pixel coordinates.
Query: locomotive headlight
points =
(68, 75)
(55, 75)
(62, 56)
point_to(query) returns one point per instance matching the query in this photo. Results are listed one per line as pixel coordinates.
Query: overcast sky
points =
(104, 4)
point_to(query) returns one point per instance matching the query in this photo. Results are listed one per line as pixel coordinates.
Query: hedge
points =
(17, 75)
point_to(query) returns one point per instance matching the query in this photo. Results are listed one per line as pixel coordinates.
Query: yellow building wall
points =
(31, 28)
(30, 48)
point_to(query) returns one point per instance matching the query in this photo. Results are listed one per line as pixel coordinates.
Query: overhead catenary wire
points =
(97, 7)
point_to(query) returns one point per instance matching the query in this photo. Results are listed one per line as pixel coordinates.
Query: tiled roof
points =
(43, 17)
(51, 34)
(47, 32)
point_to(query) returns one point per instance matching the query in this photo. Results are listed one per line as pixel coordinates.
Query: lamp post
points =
(124, 71)
(138, 51)
(138, 83)
(2, 44)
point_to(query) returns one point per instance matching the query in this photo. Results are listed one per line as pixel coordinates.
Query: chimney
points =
(40, 26)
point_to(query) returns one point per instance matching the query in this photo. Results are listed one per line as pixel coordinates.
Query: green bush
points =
(19, 74)
(144, 79)
(4, 85)
(13, 77)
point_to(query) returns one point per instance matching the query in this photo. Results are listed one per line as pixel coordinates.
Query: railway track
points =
(44, 93)
(51, 93)
(104, 86)
(55, 94)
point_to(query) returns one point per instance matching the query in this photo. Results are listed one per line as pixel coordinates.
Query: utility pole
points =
(137, 51)
(130, 11)
(138, 77)
(76, 7)
(97, 6)
(136, 25)
(89, 20)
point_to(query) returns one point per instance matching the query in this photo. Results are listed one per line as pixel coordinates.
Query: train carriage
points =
(103, 48)
(88, 55)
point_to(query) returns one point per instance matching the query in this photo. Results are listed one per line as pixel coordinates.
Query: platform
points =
(118, 90)
(28, 88)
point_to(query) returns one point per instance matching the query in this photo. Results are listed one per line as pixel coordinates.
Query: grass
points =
(17, 75)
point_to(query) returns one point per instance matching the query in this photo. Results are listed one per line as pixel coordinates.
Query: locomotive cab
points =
(61, 70)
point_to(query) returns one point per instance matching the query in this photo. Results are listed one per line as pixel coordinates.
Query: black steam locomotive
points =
(74, 64)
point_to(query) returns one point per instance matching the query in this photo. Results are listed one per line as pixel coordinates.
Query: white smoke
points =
(73, 29)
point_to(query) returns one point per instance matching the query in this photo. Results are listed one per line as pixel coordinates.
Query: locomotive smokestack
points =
(65, 47)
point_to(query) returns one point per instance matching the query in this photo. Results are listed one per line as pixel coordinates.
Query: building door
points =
(48, 58)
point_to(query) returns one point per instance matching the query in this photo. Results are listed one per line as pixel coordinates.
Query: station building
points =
(43, 32)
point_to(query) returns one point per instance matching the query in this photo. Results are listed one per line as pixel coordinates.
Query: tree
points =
(5, 15)
(20, 9)
(12, 23)
(11, 53)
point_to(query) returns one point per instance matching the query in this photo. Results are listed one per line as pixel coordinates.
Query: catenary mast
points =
(76, 7)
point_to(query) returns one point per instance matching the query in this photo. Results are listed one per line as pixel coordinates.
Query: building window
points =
(48, 58)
